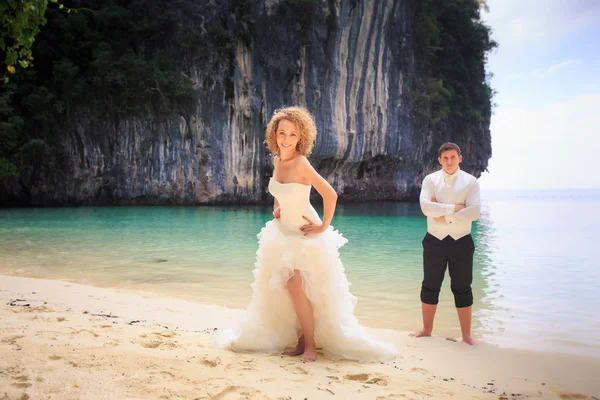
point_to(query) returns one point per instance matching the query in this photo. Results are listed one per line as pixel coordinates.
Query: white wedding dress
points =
(270, 323)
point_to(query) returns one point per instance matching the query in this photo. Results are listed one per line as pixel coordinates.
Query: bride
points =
(301, 298)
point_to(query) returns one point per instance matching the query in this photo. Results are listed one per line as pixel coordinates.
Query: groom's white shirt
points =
(448, 190)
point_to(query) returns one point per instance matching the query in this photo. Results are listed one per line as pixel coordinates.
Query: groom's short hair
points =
(448, 146)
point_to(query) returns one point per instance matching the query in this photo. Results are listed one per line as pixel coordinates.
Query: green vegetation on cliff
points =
(451, 44)
(113, 57)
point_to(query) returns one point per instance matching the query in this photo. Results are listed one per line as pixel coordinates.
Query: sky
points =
(546, 72)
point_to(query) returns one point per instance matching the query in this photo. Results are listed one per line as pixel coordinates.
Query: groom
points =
(450, 200)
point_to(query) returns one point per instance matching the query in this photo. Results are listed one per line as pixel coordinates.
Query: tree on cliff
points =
(451, 47)
(81, 58)
(20, 22)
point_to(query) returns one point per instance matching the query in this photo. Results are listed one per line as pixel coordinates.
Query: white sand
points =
(70, 341)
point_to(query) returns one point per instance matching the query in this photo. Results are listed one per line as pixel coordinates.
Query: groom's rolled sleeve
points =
(430, 208)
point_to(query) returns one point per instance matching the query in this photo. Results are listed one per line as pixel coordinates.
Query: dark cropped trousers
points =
(458, 256)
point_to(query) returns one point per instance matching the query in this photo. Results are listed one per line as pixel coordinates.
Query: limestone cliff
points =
(350, 62)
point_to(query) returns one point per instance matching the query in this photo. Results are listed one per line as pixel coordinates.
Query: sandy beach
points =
(61, 340)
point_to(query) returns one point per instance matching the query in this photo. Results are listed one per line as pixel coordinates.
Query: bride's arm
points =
(325, 190)
(276, 211)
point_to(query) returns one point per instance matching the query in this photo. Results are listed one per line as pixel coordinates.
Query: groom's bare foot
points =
(469, 340)
(421, 333)
(310, 354)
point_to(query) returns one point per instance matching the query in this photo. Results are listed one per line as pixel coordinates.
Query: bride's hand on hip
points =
(312, 227)
(277, 212)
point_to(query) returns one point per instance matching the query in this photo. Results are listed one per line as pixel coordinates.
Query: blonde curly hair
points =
(304, 122)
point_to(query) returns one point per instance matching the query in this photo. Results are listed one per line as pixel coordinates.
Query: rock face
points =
(350, 62)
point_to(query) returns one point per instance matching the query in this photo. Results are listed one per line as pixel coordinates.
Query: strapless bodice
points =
(294, 203)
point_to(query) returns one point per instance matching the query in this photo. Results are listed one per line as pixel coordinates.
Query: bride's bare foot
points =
(310, 354)
(469, 340)
(298, 350)
(421, 333)
(294, 351)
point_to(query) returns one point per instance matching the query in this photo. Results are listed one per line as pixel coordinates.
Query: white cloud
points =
(547, 143)
(540, 73)
(516, 24)
(554, 146)
(516, 29)
(554, 68)
(513, 76)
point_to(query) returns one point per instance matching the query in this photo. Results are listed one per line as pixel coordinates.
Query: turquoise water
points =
(536, 281)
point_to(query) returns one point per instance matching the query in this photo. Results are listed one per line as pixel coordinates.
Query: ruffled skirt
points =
(270, 323)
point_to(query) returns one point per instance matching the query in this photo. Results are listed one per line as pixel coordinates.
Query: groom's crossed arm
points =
(472, 206)
(450, 212)
(430, 206)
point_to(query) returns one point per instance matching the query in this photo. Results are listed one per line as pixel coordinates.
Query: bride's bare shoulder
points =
(302, 160)
(303, 163)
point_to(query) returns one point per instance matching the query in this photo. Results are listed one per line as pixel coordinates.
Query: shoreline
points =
(78, 341)
(446, 323)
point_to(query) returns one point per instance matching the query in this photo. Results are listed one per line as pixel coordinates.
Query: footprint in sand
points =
(165, 374)
(238, 392)
(211, 362)
(165, 334)
(377, 379)
(14, 371)
(570, 396)
(21, 381)
(295, 369)
(28, 309)
(246, 365)
(12, 339)
(21, 385)
(158, 341)
(54, 358)
(77, 332)
(152, 344)
(424, 393)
